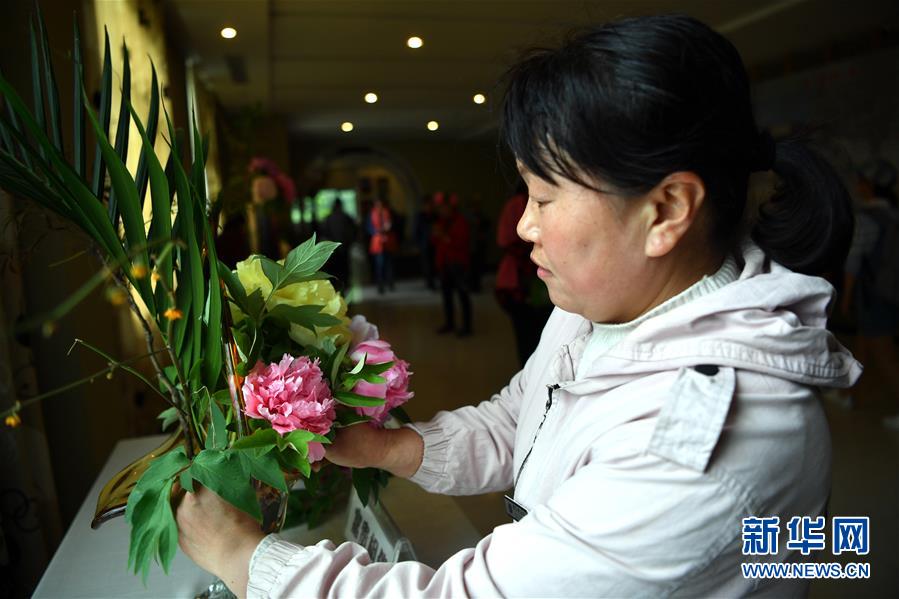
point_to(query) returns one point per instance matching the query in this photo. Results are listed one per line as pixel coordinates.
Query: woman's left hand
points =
(218, 537)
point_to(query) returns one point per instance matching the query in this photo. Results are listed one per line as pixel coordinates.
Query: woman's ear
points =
(672, 208)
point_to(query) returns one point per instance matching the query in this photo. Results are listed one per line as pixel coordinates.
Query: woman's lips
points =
(541, 272)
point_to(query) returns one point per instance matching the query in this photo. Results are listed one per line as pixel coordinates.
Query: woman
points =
(382, 244)
(674, 389)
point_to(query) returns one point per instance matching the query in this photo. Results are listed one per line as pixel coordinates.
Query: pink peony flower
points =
(395, 389)
(316, 452)
(362, 330)
(291, 394)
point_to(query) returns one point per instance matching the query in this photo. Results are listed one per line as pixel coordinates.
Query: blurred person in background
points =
(674, 391)
(519, 291)
(451, 237)
(382, 244)
(481, 233)
(424, 223)
(871, 285)
(340, 227)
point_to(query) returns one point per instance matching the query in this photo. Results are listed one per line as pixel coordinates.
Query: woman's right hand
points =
(399, 451)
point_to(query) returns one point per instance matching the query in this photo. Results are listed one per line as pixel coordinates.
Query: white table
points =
(92, 563)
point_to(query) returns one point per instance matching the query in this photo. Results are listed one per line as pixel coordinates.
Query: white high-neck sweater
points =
(607, 336)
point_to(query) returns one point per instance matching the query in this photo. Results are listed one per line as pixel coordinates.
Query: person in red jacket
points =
(518, 291)
(382, 244)
(451, 256)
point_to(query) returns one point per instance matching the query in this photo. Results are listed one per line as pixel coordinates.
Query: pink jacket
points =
(637, 476)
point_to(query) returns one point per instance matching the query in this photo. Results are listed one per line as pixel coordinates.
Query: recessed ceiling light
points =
(346, 127)
(433, 125)
(479, 99)
(229, 33)
(371, 97)
(414, 42)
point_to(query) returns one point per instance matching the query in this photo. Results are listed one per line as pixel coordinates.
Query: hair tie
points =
(766, 153)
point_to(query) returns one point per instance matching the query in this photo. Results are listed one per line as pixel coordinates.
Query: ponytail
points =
(807, 224)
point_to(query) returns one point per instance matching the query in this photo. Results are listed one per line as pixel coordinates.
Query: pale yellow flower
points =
(310, 293)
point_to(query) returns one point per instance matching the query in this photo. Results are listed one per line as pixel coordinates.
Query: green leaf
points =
(307, 317)
(217, 434)
(149, 511)
(198, 171)
(272, 271)
(305, 260)
(255, 305)
(36, 90)
(121, 139)
(187, 481)
(348, 398)
(235, 288)
(349, 418)
(50, 84)
(244, 343)
(169, 417)
(263, 466)
(213, 358)
(359, 365)
(400, 414)
(83, 204)
(297, 461)
(153, 531)
(161, 224)
(222, 473)
(132, 218)
(78, 145)
(363, 479)
(337, 362)
(192, 276)
(105, 109)
(13, 126)
(302, 438)
(152, 124)
(263, 438)
(161, 469)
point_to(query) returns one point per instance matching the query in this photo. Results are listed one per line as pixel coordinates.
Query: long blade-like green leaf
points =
(15, 177)
(132, 218)
(39, 169)
(37, 94)
(152, 122)
(161, 227)
(7, 141)
(105, 107)
(198, 170)
(191, 275)
(82, 201)
(14, 126)
(121, 133)
(213, 344)
(55, 120)
(77, 104)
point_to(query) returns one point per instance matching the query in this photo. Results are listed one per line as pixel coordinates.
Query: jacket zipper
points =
(549, 404)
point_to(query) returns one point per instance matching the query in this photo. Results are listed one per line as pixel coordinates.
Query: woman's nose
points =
(527, 225)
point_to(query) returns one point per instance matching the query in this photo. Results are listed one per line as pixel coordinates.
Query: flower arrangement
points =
(259, 366)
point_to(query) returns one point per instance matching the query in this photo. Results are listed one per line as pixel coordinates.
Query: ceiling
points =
(313, 60)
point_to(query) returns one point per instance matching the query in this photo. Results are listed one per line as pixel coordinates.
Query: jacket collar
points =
(771, 320)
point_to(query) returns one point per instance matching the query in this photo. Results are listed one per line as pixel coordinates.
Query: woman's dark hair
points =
(630, 102)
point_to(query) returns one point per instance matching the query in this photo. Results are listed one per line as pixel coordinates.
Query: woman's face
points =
(588, 247)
